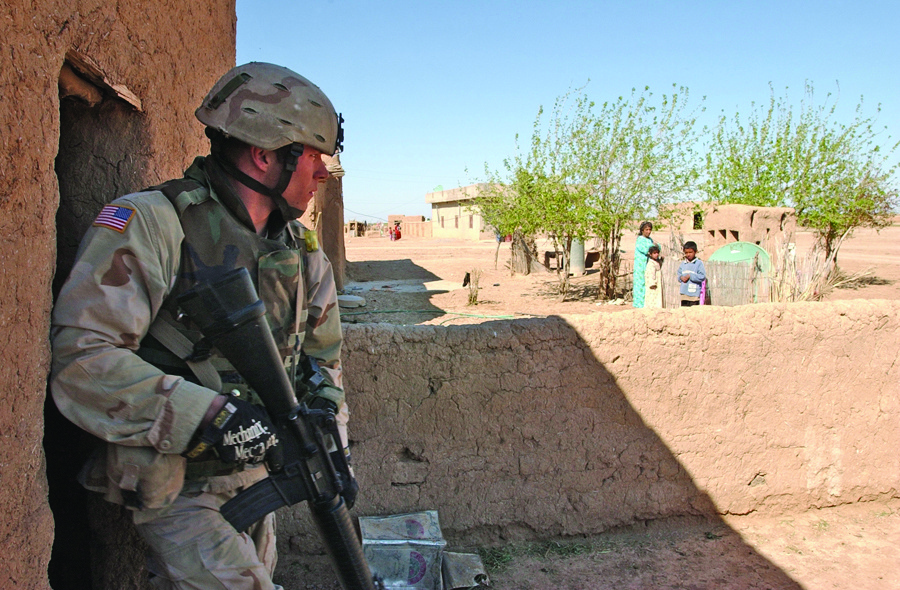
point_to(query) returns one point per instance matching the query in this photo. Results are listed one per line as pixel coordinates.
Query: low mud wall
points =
(536, 428)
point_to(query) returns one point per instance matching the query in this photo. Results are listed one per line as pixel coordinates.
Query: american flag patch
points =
(115, 217)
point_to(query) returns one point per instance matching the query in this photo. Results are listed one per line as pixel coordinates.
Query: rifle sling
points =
(182, 347)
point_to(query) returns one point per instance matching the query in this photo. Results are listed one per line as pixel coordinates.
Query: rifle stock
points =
(231, 317)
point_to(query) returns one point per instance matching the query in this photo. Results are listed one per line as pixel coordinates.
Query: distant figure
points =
(391, 234)
(653, 298)
(641, 249)
(397, 231)
(692, 274)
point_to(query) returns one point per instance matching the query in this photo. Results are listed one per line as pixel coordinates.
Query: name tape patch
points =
(115, 217)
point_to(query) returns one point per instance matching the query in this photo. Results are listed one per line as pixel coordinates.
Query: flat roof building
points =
(454, 215)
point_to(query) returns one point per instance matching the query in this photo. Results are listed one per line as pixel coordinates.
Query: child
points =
(653, 279)
(691, 274)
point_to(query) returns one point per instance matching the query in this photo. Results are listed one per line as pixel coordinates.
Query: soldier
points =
(123, 367)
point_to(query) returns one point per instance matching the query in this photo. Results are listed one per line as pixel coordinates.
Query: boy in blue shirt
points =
(691, 274)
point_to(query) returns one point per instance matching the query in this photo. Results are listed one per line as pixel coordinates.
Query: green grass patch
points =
(497, 559)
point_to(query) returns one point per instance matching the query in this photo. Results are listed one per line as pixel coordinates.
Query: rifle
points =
(231, 318)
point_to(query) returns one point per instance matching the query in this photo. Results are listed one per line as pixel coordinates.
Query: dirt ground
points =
(420, 281)
(848, 547)
(857, 546)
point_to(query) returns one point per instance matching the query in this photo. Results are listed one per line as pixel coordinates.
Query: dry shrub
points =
(809, 277)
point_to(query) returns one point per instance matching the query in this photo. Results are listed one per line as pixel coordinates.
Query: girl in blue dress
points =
(641, 252)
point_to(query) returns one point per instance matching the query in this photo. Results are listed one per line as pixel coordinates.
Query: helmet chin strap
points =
(275, 193)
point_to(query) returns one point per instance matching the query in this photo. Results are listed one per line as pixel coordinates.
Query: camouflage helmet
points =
(269, 107)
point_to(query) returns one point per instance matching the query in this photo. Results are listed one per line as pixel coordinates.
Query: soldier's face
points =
(305, 181)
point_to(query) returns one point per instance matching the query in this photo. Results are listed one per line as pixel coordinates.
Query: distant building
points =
(355, 229)
(411, 226)
(713, 226)
(453, 214)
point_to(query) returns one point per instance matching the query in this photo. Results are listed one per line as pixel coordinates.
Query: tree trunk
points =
(563, 273)
(523, 254)
(610, 259)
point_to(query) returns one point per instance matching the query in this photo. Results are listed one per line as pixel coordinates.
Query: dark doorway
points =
(102, 151)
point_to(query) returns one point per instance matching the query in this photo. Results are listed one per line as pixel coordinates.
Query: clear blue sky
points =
(432, 89)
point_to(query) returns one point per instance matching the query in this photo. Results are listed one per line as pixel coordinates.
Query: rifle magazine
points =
(262, 498)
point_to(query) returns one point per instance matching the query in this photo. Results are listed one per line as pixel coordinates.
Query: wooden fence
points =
(727, 283)
(733, 283)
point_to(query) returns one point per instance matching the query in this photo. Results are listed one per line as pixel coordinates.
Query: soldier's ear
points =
(261, 159)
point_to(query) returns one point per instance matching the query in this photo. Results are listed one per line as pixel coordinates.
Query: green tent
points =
(743, 252)
(749, 254)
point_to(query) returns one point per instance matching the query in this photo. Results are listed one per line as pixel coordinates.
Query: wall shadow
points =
(673, 535)
(514, 431)
(388, 270)
(392, 289)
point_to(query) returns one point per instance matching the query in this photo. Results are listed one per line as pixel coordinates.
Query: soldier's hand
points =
(240, 432)
(323, 403)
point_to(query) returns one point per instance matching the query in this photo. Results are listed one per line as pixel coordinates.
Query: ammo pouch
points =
(138, 477)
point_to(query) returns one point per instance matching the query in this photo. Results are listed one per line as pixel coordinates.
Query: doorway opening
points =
(103, 150)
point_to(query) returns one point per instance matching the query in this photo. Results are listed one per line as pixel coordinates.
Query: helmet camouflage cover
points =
(269, 107)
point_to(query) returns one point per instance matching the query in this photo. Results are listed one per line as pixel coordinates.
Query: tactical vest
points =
(215, 241)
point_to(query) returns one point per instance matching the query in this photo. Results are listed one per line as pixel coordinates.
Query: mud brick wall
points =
(166, 54)
(537, 428)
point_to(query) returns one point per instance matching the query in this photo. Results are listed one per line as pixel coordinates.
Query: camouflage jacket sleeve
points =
(116, 288)
(323, 326)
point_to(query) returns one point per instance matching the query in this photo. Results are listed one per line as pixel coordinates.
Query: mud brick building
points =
(96, 100)
(714, 225)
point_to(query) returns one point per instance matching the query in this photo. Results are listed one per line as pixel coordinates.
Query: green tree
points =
(638, 156)
(836, 175)
(538, 193)
(591, 170)
(504, 203)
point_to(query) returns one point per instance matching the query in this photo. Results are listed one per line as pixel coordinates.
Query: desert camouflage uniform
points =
(117, 383)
